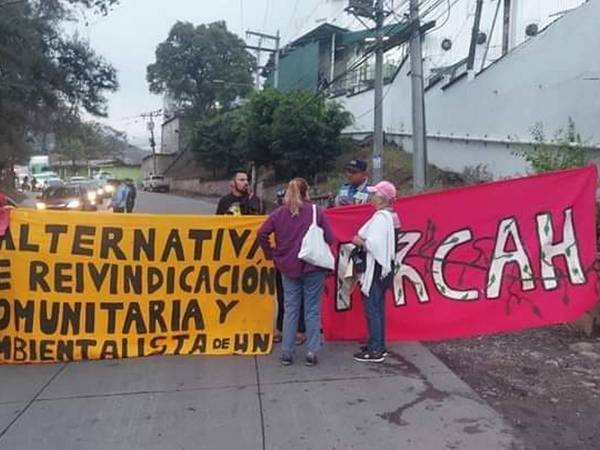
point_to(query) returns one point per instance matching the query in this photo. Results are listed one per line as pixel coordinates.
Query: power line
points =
(293, 14)
(241, 17)
(267, 8)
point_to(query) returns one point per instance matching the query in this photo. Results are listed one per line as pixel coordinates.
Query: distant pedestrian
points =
(378, 238)
(119, 198)
(241, 201)
(301, 280)
(354, 192)
(131, 196)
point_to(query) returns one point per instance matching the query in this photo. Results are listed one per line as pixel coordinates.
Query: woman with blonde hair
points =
(301, 280)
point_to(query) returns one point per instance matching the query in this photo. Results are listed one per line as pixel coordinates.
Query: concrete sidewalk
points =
(410, 402)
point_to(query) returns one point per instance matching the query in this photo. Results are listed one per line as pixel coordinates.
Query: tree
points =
(310, 143)
(257, 126)
(296, 134)
(204, 68)
(218, 142)
(44, 73)
(566, 150)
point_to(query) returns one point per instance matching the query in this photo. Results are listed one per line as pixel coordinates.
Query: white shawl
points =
(378, 234)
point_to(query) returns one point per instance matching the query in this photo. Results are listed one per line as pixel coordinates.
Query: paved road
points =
(155, 202)
(410, 402)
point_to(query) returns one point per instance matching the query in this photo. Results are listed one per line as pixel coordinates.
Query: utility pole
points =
(152, 143)
(257, 74)
(151, 125)
(420, 172)
(277, 39)
(474, 34)
(276, 75)
(374, 10)
(378, 111)
(506, 25)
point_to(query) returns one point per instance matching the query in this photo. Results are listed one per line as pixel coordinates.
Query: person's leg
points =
(301, 323)
(280, 307)
(313, 290)
(373, 305)
(292, 296)
(382, 317)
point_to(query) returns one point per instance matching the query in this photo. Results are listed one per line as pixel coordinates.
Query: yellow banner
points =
(76, 286)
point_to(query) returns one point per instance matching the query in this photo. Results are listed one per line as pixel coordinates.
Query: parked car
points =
(156, 183)
(103, 176)
(78, 179)
(72, 197)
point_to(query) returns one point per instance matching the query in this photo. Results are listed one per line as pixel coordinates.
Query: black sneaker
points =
(368, 356)
(364, 348)
(286, 360)
(311, 359)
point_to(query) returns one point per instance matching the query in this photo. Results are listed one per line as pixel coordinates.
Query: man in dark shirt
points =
(131, 195)
(240, 202)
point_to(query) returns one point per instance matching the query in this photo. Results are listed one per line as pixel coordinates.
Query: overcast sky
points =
(128, 37)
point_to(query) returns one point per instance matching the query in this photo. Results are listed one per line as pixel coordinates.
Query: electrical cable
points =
(242, 17)
(267, 8)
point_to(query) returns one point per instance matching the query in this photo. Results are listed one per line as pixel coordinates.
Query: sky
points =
(127, 37)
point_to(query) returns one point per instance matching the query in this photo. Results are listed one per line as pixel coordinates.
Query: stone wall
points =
(204, 188)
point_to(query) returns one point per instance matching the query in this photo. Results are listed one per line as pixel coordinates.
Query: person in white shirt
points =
(378, 238)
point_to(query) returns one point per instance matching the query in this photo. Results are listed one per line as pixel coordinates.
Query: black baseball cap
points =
(357, 165)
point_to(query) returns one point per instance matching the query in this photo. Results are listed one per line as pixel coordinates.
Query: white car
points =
(156, 183)
(103, 176)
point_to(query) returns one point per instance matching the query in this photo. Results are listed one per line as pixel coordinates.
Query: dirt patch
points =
(545, 382)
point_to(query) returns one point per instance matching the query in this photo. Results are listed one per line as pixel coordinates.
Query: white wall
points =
(547, 79)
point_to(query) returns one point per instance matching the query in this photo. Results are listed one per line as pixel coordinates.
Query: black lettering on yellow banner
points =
(130, 286)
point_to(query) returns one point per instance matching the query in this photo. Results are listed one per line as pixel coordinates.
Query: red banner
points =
(490, 258)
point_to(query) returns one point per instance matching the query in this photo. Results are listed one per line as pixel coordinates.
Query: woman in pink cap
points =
(378, 238)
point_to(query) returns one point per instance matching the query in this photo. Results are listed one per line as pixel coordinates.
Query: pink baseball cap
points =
(384, 188)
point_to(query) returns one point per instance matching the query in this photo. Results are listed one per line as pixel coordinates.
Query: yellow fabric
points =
(93, 286)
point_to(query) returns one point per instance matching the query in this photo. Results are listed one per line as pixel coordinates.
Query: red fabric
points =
(481, 210)
(4, 215)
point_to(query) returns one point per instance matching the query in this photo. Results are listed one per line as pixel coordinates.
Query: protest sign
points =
(94, 286)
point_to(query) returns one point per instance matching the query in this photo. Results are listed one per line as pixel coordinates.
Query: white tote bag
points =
(314, 249)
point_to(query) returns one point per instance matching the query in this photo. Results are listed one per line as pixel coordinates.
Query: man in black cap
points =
(354, 192)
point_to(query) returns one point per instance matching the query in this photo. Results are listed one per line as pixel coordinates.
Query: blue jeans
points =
(374, 305)
(310, 287)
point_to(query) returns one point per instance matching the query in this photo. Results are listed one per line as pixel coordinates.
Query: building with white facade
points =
(534, 64)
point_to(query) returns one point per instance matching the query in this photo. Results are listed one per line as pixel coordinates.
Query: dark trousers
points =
(281, 308)
(374, 305)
